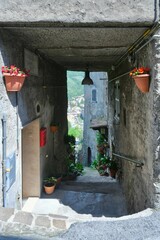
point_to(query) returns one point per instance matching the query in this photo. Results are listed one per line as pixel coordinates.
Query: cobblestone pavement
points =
(139, 228)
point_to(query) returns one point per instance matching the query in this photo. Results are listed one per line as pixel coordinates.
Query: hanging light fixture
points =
(87, 80)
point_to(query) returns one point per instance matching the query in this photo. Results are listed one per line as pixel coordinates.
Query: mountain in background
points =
(74, 86)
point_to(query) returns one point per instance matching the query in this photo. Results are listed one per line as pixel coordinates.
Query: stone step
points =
(103, 187)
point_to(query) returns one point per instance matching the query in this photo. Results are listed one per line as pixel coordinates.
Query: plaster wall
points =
(48, 90)
(136, 133)
(94, 110)
(81, 11)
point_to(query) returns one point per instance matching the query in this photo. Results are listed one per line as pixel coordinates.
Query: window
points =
(117, 102)
(94, 95)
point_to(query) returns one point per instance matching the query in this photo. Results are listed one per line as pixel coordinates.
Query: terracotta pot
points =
(53, 128)
(13, 83)
(113, 172)
(49, 189)
(142, 82)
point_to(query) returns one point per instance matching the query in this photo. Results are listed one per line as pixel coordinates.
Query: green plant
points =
(113, 165)
(74, 168)
(50, 181)
(76, 132)
(94, 164)
(70, 139)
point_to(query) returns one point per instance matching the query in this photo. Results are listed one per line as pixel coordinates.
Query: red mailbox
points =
(43, 136)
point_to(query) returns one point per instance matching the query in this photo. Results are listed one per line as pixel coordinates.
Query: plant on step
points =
(49, 184)
(103, 165)
(113, 167)
(50, 181)
(75, 168)
(94, 164)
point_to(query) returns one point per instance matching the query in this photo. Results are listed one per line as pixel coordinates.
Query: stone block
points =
(43, 221)
(59, 224)
(6, 213)
(23, 217)
(58, 216)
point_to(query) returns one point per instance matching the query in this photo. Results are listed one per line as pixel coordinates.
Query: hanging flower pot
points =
(14, 78)
(141, 77)
(142, 82)
(13, 83)
(53, 128)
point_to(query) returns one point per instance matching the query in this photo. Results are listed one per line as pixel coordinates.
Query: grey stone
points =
(56, 216)
(129, 229)
(137, 133)
(43, 221)
(61, 224)
(77, 11)
(23, 217)
(6, 213)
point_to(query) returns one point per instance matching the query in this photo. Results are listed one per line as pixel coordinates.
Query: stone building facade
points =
(135, 133)
(95, 112)
(37, 105)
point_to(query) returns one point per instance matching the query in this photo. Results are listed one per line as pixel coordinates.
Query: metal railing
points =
(137, 162)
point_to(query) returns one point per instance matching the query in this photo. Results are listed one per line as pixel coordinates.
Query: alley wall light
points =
(87, 80)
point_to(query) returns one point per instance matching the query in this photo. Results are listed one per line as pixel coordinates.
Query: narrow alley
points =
(115, 101)
(90, 195)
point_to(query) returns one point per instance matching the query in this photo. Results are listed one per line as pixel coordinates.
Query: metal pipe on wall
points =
(4, 142)
(17, 122)
(137, 162)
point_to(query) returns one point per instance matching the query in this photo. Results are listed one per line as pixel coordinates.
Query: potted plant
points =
(113, 168)
(14, 77)
(141, 77)
(50, 184)
(53, 128)
(73, 170)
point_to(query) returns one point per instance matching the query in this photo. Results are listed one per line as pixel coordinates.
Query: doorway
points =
(31, 186)
(89, 157)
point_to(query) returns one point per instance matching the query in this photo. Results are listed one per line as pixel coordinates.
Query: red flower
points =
(14, 71)
(138, 71)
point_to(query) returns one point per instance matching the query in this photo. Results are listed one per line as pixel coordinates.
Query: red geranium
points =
(14, 71)
(140, 70)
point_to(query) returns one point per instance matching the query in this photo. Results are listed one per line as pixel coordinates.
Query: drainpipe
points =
(4, 137)
(17, 120)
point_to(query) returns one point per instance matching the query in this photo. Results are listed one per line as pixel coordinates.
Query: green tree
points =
(74, 80)
(76, 132)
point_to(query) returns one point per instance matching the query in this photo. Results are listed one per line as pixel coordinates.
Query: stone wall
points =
(48, 91)
(81, 11)
(137, 132)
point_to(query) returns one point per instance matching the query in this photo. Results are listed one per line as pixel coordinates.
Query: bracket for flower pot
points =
(142, 82)
(13, 83)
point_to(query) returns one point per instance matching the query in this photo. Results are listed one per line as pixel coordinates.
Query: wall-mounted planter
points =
(13, 83)
(142, 82)
(54, 128)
